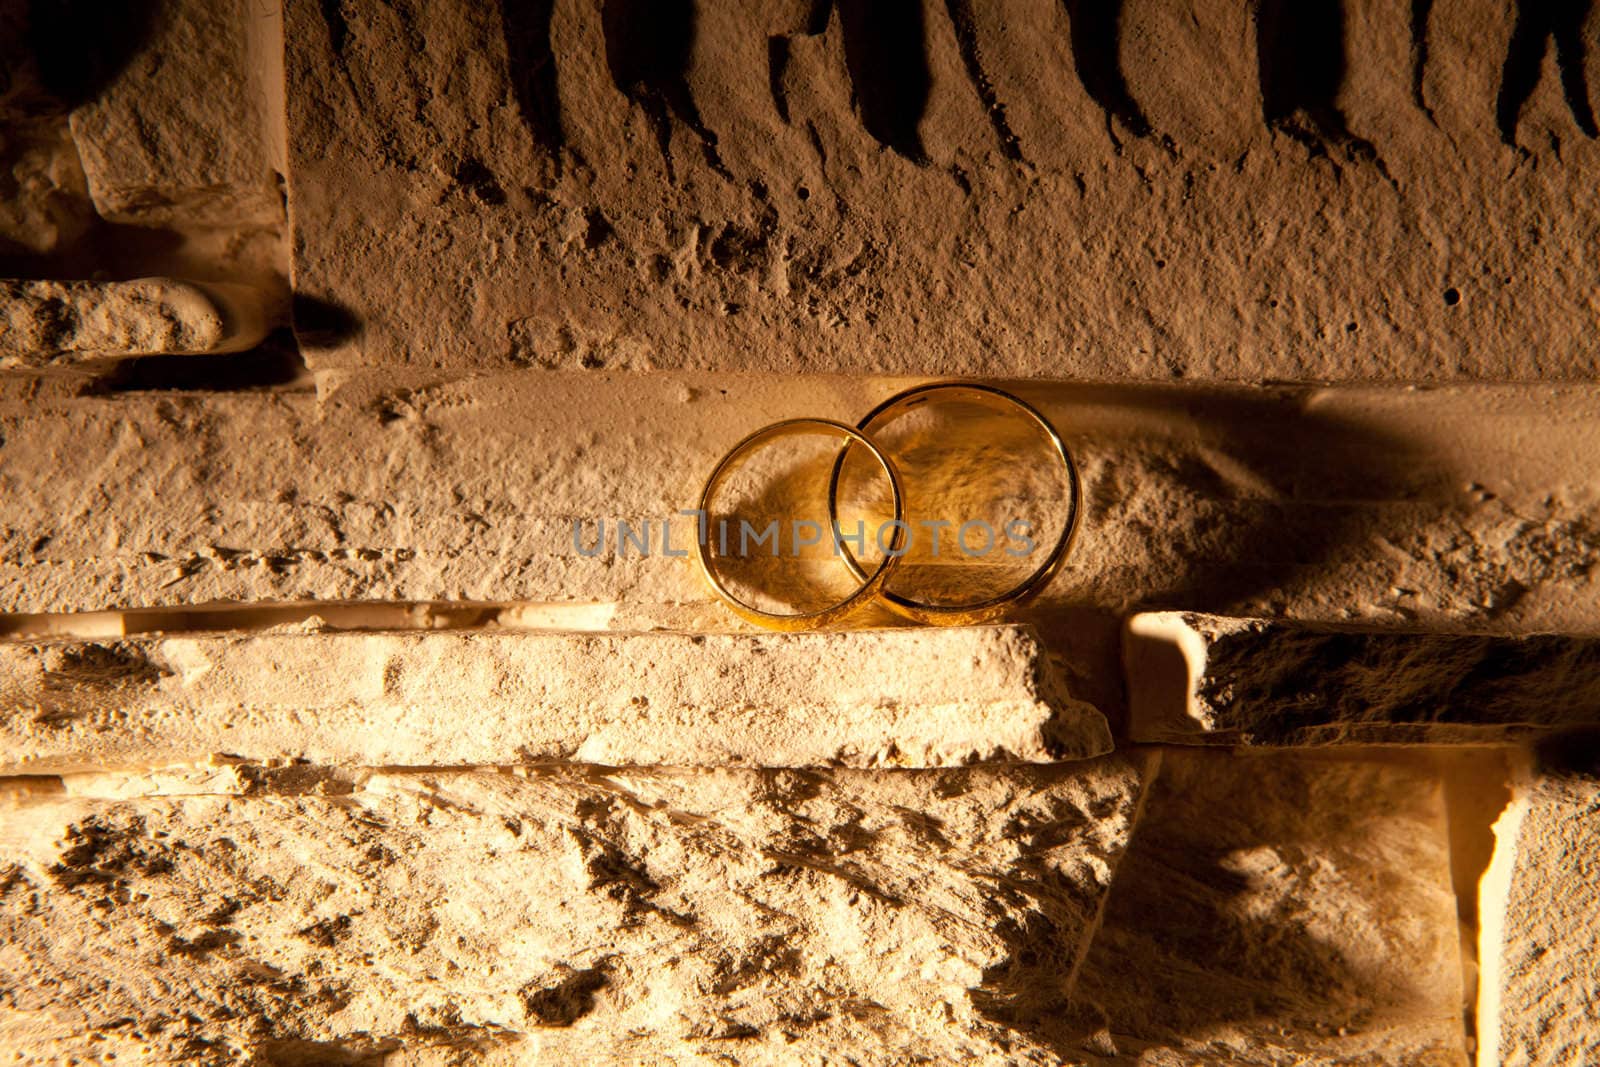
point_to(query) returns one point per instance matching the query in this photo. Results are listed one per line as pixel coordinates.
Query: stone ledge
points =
(1203, 679)
(876, 698)
(45, 323)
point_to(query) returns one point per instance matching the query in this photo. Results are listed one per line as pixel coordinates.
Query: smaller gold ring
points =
(871, 585)
(993, 607)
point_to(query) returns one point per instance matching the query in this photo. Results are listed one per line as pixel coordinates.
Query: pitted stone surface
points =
(573, 915)
(1012, 189)
(1541, 902)
(1381, 508)
(184, 132)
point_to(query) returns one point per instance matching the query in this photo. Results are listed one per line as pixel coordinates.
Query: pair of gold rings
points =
(873, 584)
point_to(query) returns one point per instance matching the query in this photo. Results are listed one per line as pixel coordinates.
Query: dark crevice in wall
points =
(474, 178)
(1300, 55)
(1096, 28)
(777, 66)
(817, 17)
(104, 251)
(886, 56)
(1538, 22)
(1300, 62)
(274, 363)
(338, 26)
(532, 64)
(649, 44)
(356, 1052)
(1420, 12)
(961, 16)
(323, 323)
(1570, 754)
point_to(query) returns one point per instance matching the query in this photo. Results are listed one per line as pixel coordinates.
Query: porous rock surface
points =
(1275, 911)
(47, 208)
(1196, 678)
(571, 915)
(1011, 189)
(897, 698)
(44, 323)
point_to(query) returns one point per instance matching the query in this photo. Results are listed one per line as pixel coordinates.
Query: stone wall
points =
(328, 330)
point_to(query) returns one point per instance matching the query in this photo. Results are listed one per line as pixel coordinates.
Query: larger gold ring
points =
(993, 607)
(871, 585)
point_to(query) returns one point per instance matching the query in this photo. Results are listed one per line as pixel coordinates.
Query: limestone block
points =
(43, 322)
(183, 134)
(1540, 902)
(572, 915)
(1197, 678)
(737, 186)
(1279, 909)
(906, 698)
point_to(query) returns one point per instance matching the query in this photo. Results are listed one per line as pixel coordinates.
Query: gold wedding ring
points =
(992, 607)
(871, 584)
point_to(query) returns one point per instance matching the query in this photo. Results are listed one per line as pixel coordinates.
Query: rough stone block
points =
(574, 915)
(184, 133)
(1195, 678)
(738, 186)
(382, 486)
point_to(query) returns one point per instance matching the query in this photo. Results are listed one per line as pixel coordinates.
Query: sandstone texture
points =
(138, 141)
(1279, 910)
(1347, 191)
(896, 698)
(572, 915)
(1540, 902)
(44, 323)
(1196, 678)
